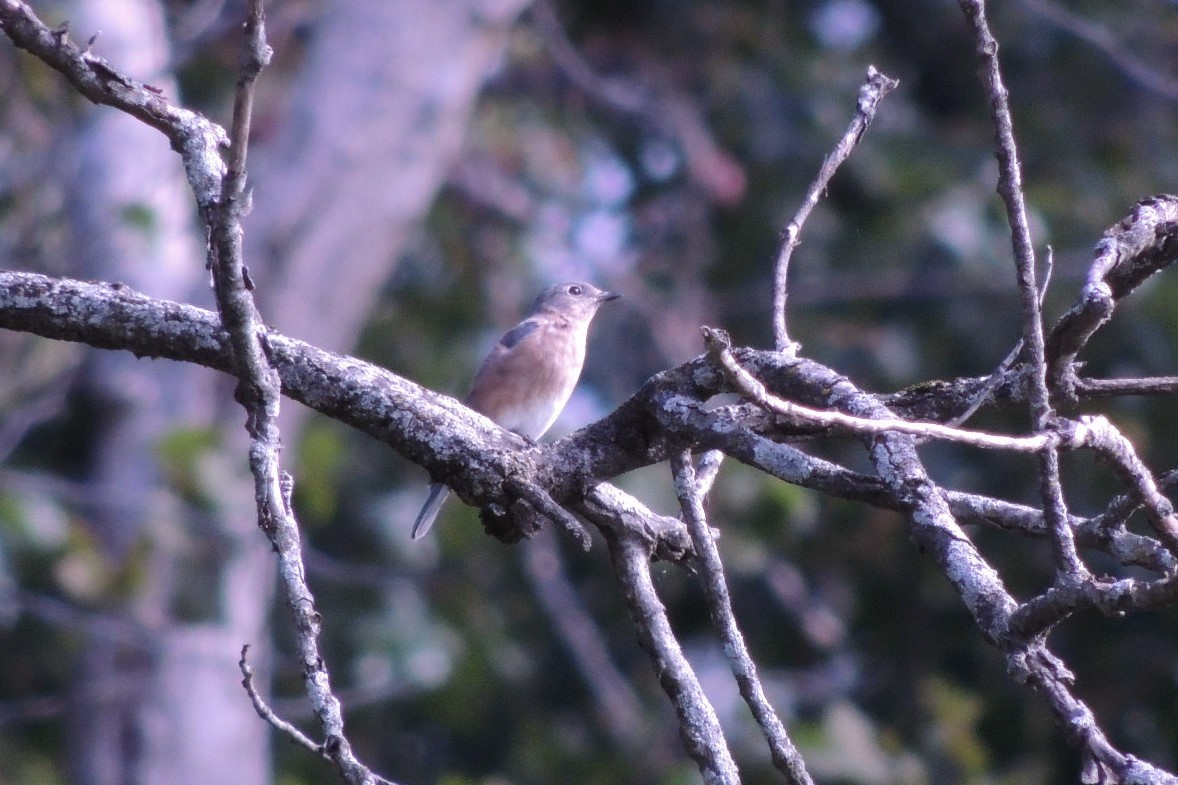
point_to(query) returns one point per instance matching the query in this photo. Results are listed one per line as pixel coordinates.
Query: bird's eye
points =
(575, 290)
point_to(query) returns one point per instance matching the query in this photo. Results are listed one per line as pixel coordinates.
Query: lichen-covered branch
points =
(1010, 188)
(785, 755)
(1140, 245)
(198, 140)
(698, 725)
(451, 441)
(259, 391)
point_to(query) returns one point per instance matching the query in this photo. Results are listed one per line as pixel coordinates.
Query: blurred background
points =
(421, 169)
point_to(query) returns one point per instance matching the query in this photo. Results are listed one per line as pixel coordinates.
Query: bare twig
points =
(871, 93)
(198, 140)
(1112, 445)
(785, 755)
(259, 391)
(982, 395)
(719, 348)
(1115, 388)
(999, 374)
(266, 713)
(1011, 190)
(1048, 270)
(1055, 511)
(1110, 597)
(707, 468)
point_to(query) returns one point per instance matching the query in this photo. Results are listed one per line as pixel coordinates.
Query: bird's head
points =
(572, 298)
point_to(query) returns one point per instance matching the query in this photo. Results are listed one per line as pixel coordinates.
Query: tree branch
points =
(1010, 188)
(437, 432)
(1140, 245)
(259, 391)
(785, 755)
(874, 89)
(698, 725)
(198, 140)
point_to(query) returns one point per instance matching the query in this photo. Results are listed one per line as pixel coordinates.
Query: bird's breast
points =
(524, 388)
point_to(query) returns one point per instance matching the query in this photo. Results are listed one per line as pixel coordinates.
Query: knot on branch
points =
(520, 521)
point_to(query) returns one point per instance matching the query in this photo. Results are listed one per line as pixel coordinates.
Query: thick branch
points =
(455, 444)
(474, 456)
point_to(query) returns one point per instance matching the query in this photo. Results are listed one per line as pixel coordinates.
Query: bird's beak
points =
(605, 297)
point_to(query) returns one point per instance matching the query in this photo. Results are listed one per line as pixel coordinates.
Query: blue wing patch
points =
(518, 333)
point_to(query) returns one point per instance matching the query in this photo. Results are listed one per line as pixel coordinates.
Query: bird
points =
(528, 376)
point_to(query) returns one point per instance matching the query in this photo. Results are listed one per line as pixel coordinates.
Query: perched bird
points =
(528, 377)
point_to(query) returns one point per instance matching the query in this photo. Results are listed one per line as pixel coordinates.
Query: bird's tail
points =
(429, 511)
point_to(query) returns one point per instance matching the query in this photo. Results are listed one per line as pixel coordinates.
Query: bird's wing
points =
(518, 333)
